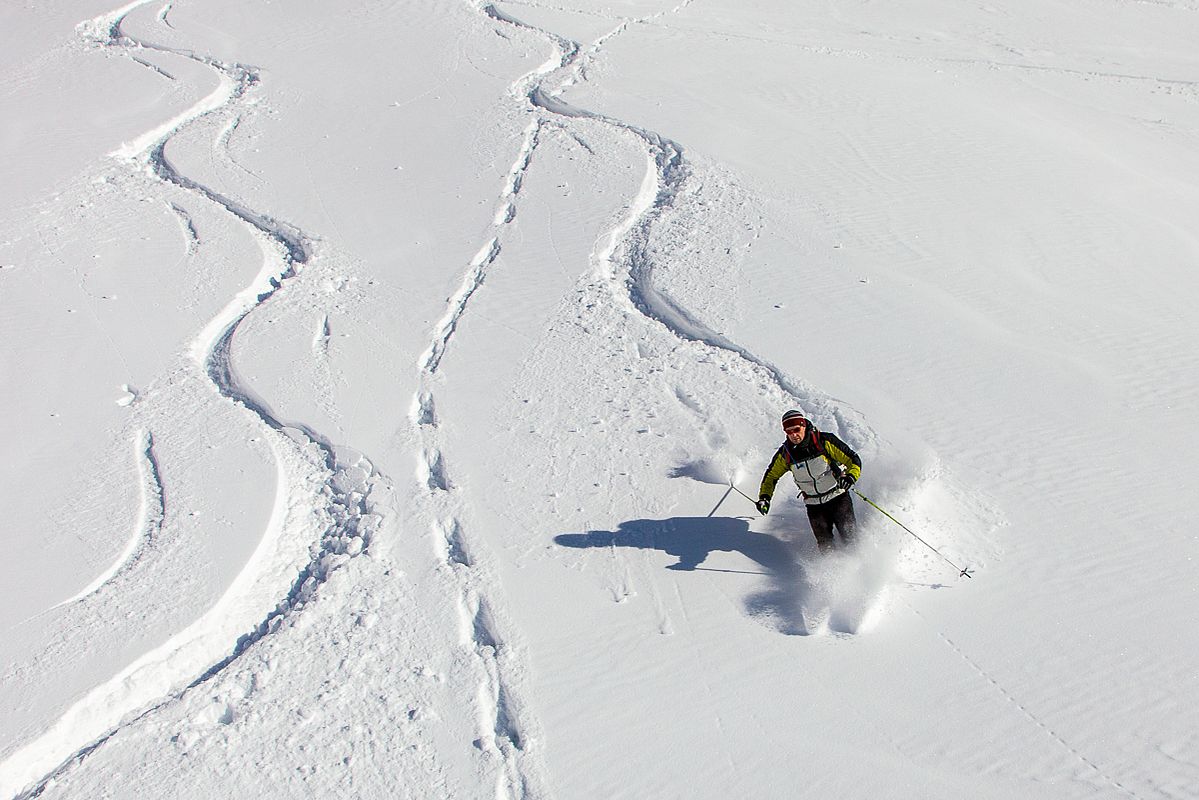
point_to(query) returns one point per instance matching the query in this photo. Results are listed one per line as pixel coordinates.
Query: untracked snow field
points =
(381, 382)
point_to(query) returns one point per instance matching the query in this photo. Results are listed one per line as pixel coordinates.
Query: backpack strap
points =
(832, 462)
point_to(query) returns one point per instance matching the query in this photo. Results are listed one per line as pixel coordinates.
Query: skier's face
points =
(795, 431)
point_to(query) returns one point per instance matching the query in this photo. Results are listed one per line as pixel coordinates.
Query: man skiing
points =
(824, 468)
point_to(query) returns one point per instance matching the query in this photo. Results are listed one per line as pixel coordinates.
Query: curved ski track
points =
(344, 493)
(631, 243)
(148, 528)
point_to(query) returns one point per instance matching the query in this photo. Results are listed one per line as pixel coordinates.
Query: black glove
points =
(763, 504)
(846, 480)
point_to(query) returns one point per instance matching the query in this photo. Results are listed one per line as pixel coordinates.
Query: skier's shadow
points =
(691, 539)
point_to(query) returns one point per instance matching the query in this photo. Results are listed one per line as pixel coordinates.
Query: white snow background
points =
(373, 375)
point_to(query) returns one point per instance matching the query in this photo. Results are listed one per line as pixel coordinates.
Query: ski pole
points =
(963, 572)
(722, 499)
(743, 494)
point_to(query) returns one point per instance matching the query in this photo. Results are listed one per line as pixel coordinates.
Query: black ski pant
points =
(836, 513)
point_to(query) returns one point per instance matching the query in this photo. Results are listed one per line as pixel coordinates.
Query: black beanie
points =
(793, 415)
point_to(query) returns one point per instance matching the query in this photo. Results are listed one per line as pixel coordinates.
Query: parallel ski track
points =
(350, 511)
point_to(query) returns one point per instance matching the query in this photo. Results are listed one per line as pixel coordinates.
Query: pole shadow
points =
(691, 539)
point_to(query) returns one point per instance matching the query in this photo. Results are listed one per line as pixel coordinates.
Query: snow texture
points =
(388, 387)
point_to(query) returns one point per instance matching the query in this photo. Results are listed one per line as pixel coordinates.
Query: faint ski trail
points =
(314, 475)
(189, 228)
(226, 149)
(713, 699)
(1024, 710)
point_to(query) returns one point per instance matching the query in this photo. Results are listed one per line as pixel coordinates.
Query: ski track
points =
(502, 722)
(500, 726)
(146, 532)
(189, 228)
(630, 247)
(145, 536)
(1089, 764)
(349, 477)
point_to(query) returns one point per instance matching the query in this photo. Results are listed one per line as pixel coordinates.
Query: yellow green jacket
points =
(815, 464)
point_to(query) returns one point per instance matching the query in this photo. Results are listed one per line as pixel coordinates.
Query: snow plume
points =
(846, 592)
(716, 470)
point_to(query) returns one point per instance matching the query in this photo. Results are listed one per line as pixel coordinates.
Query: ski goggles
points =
(795, 424)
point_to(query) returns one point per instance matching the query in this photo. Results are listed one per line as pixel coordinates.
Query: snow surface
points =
(375, 374)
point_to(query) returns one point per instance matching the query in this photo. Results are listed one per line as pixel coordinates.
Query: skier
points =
(824, 468)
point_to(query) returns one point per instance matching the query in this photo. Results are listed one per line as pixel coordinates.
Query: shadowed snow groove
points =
(423, 410)
(147, 530)
(153, 502)
(320, 342)
(189, 228)
(435, 468)
(344, 495)
(456, 552)
(292, 240)
(505, 732)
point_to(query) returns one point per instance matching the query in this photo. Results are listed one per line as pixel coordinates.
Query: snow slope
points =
(376, 375)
